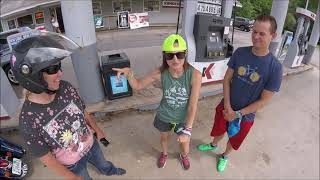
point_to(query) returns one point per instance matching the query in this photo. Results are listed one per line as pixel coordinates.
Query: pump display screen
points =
(119, 85)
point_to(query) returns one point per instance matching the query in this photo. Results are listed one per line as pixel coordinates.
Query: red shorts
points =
(220, 126)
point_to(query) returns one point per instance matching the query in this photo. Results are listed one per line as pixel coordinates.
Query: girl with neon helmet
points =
(180, 86)
(53, 120)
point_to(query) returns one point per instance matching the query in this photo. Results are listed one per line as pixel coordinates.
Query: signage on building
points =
(207, 8)
(138, 20)
(174, 4)
(98, 21)
(219, 2)
(38, 15)
(123, 18)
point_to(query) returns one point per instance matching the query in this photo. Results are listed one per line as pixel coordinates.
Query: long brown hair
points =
(165, 65)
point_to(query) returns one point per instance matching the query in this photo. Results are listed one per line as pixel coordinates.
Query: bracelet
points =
(188, 129)
(186, 132)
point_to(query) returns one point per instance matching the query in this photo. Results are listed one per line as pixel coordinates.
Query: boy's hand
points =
(229, 115)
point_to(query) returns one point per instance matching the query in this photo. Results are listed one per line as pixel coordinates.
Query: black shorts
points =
(166, 127)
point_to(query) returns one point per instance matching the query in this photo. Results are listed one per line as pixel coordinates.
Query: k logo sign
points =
(207, 71)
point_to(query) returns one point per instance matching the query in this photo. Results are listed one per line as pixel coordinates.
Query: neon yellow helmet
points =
(174, 43)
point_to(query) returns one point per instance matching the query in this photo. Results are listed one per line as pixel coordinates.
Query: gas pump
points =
(284, 45)
(211, 36)
(213, 47)
(297, 49)
(206, 32)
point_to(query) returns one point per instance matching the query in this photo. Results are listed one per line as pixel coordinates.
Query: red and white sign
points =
(211, 71)
(38, 15)
(138, 20)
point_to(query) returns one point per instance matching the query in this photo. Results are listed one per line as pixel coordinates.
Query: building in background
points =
(37, 13)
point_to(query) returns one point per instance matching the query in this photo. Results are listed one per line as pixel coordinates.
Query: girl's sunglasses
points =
(52, 69)
(179, 55)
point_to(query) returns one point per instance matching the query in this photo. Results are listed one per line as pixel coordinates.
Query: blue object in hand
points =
(234, 127)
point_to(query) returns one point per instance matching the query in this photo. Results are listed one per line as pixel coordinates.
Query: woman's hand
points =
(126, 71)
(183, 138)
(100, 134)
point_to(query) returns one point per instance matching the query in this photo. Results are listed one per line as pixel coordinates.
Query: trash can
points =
(115, 88)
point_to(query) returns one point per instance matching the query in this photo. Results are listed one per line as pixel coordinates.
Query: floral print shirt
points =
(58, 127)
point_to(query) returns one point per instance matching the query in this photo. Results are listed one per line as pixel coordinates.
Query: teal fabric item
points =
(234, 127)
(175, 100)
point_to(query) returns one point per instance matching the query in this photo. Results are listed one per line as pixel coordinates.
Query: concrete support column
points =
(188, 15)
(279, 12)
(79, 26)
(227, 8)
(9, 102)
(314, 38)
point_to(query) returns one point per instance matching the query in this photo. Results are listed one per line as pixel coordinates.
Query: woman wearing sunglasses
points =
(181, 86)
(53, 120)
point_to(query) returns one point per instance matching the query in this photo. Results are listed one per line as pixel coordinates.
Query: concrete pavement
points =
(283, 144)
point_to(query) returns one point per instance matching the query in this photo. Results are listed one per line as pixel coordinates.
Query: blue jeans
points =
(96, 158)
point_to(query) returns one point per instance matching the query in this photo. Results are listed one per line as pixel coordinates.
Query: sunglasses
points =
(52, 69)
(179, 55)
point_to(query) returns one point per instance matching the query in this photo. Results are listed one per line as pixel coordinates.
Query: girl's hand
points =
(183, 138)
(126, 71)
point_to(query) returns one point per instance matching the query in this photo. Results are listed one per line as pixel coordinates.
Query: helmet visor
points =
(64, 41)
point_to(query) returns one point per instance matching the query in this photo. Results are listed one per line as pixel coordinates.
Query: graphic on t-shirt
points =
(248, 71)
(69, 135)
(176, 95)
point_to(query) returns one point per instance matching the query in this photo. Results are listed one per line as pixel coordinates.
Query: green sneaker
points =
(206, 147)
(222, 163)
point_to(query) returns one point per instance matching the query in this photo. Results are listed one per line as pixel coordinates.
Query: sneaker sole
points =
(163, 165)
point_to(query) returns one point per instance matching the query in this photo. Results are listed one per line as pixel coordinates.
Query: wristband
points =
(238, 114)
(187, 131)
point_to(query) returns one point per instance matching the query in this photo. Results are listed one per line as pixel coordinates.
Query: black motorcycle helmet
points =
(31, 55)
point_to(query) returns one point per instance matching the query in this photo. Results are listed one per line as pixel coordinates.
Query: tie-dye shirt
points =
(58, 127)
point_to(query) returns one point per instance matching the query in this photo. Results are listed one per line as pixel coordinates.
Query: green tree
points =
(290, 22)
(246, 10)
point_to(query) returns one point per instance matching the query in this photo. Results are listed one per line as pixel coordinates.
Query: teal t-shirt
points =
(176, 92)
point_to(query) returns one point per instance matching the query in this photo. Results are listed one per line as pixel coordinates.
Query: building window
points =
(151, 5)
(121, 5)
(96, 7)
(39, 16)
(25, 21)
(11, 24)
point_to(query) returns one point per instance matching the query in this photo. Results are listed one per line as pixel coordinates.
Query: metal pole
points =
(9, 102)
(314, 38)
(178, 17)
(188, 15)
(279, 12)
(227, 8)
(234, 18)
(79, 26)
(307, 3)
